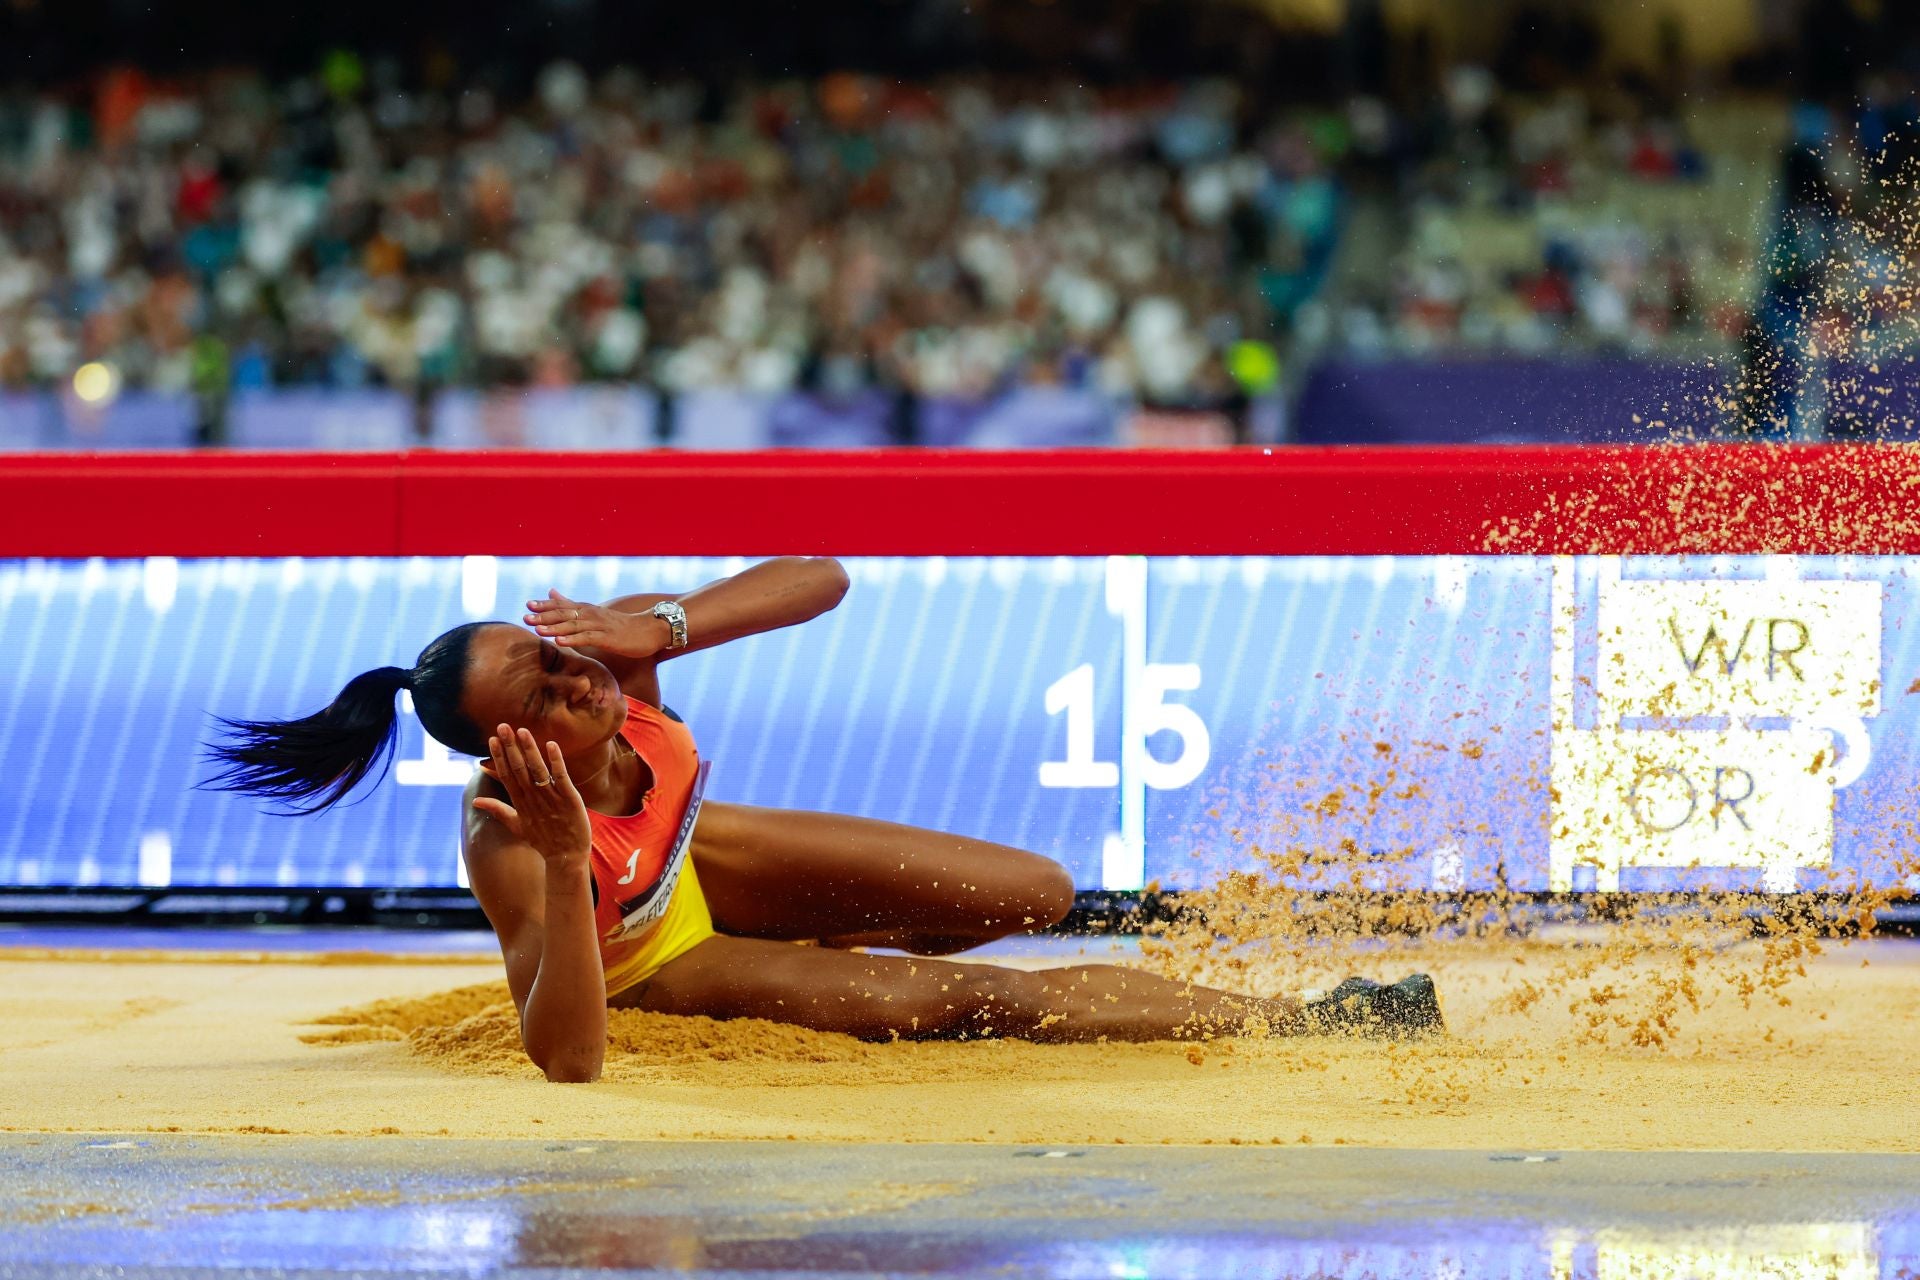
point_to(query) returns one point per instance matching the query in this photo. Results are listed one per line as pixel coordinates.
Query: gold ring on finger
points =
(547, 783)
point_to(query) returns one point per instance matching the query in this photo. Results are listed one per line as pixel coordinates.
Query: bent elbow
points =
(570, 1070)
(561, 1067)
(1055, 899)
(835, 578)
(572, 1074)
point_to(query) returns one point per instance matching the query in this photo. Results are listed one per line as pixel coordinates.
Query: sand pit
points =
(218, 1045)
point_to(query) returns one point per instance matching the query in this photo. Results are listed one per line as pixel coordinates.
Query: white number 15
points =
(1073, 693)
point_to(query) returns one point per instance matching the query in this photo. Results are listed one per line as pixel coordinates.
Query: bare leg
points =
(790, 874)
(888, 997)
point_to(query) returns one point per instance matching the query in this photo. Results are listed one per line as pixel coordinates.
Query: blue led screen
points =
(1454, 722)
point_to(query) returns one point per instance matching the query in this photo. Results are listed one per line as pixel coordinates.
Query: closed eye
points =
(549, 663)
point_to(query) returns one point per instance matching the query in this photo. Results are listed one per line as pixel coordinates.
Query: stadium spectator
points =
(944, 238)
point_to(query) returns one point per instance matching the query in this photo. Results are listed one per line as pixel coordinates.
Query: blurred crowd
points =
(1571, 220)
(942, 237)
(1169, 242)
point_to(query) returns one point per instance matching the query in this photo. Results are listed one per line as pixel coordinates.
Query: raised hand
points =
(573, 623)
(542, 806)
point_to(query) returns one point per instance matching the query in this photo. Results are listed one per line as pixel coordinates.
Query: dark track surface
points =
(282, 1206)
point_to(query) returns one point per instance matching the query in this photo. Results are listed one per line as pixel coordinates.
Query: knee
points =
(1051, 896)
(1038, 898)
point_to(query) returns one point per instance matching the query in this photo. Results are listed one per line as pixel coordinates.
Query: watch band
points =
(676, 620)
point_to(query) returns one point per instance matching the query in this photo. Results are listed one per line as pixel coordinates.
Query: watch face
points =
(676, 618)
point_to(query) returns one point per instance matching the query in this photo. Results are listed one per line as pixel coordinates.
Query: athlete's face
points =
(516, 678)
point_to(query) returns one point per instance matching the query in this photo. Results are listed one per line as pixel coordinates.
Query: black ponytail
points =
(310, 764)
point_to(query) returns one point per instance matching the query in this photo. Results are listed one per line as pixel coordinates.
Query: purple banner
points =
(1501, 401)
(135, 420)
(314, 418)
(1024, 418)
(808, 420)
(722, 419)
(23, 420)
(1876, 400)
(599, 418)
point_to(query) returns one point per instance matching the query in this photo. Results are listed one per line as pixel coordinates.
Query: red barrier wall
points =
(1319, 501)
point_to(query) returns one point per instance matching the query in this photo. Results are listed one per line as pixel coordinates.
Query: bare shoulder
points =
(485, 840)
(481, 785)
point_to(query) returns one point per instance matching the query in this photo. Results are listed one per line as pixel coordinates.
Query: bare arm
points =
(776, 593)
(541, 908)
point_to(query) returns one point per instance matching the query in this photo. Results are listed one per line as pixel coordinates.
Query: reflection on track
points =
(136, 1206)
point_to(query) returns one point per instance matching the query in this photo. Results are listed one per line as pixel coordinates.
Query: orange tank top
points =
(637, 858)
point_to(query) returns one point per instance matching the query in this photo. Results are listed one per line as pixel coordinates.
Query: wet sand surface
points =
(198, 1043)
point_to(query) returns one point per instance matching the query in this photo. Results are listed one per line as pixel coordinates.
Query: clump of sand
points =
(476, 1030)
(400, 1017)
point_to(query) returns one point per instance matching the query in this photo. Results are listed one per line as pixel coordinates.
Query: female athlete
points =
(611, 881)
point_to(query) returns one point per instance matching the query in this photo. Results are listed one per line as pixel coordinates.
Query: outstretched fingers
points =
(557, 769)
(539, 773)
(543, 807)
(517, 763)
(552, 615)
(498, 767)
